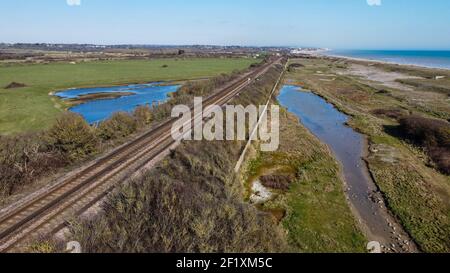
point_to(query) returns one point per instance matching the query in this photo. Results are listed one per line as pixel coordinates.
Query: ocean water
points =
(98, 110)
(435, 59)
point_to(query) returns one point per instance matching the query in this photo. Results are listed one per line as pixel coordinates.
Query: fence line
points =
(255, 130)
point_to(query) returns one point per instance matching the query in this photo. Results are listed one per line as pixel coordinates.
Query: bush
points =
(15, 85)
(426, 131)
(433, 135)
(72, 136)
(279, 182)
(120, 125)
(390, 113)
(23, 159)
(441, 156)
(143, 116)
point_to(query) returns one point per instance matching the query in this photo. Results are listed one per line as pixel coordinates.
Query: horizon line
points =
(222, 45)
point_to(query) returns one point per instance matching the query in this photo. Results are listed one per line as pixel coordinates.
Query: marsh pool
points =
(98, 110)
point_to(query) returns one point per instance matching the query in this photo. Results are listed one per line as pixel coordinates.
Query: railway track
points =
(47, 212)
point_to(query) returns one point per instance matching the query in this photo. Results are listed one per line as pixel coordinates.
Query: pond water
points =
(97, 110)
(348, 146)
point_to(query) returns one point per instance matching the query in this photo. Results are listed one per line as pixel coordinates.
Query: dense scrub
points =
(393, 113)
(279, 182)
(120, 125)
(72, 136)
(191, 202)
(433, 135)
(23, 158)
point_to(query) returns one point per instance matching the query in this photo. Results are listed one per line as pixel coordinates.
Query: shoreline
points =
(416, 66)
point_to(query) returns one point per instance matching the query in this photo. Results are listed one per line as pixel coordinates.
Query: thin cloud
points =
(73, 2)
(374, 2)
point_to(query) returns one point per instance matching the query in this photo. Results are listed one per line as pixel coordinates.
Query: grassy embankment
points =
(317, 216)
(417, 194)
(32, 109)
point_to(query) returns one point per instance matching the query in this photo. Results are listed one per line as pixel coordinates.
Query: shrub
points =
(441, 156)
(72, 136)
(120, 125)
(15, 85)
(390, 113)
(426, 131)
(433, 135)
(279, 182)
(143, 116)
(23, 159)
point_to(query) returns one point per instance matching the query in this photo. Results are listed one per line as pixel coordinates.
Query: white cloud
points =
(73, 2)
(374, 2)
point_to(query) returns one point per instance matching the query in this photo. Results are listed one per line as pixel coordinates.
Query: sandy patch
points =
(379, 76)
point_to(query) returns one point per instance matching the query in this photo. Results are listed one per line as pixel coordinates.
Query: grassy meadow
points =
(31, 108)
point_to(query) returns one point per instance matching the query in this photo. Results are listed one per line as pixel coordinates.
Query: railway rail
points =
(47, 212)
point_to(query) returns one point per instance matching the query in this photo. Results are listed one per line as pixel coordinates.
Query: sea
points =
(424, 58)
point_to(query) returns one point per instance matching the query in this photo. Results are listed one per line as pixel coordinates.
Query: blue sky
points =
(350, 24)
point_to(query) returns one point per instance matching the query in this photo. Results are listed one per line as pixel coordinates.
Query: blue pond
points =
(98, 110)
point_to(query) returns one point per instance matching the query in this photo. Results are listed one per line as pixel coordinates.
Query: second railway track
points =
(48, 211)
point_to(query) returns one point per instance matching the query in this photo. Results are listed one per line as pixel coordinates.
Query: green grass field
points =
(32, 108)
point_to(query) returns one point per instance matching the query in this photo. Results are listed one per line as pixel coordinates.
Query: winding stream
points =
(348, 146)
